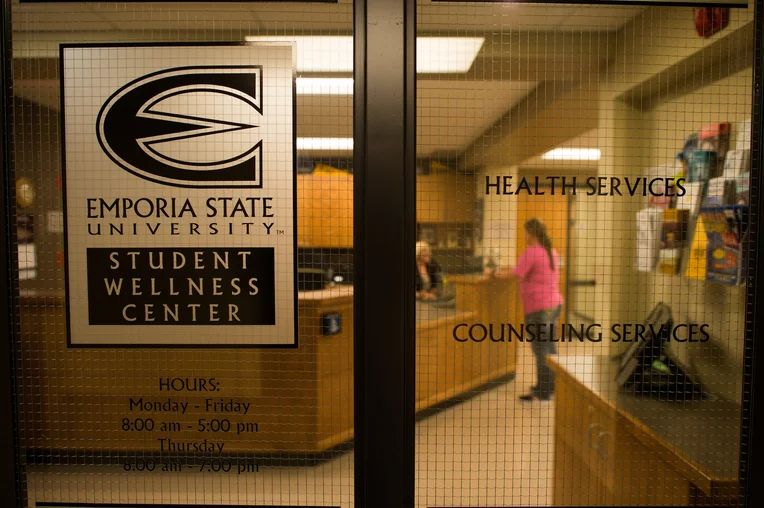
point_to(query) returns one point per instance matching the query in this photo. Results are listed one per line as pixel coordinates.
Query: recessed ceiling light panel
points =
(338, 144)
(572, 154)
(325, 86)
(435, 55)
(441, 55)
(318, 53)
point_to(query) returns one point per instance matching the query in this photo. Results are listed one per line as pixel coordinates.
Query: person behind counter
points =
(538, 271)
(429, 275)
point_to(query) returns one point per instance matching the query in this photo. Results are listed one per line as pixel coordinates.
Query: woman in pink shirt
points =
(538, 271)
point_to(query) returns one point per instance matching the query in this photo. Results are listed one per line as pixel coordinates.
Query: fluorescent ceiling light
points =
(335, 53)
(446, 54)
(318, 53)
(325, 86)
(325, 143)
(572, 154)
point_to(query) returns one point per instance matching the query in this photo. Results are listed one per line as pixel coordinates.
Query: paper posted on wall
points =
(737, 163)
(743, 135)
(725, 228)
(649, 230)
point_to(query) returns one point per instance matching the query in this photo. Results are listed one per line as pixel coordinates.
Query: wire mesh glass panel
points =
(186, 256)
(582, 207)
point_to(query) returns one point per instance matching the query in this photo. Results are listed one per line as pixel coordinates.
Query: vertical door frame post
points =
(384, 244)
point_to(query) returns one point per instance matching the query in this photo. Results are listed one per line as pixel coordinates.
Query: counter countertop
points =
(343, 291)
(478, 278)
(430, 316)
(704, 434)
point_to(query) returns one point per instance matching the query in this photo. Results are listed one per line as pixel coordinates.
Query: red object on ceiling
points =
(711, 20)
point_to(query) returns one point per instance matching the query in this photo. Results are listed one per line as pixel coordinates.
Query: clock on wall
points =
(24, 192)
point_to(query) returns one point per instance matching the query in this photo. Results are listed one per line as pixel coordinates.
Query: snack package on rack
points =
(674, 228)
(668, 261)
(725, 229)
(696, 259)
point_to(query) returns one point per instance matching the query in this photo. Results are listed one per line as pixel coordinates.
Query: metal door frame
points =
(385, 234)
(384, 246)
(9, 460)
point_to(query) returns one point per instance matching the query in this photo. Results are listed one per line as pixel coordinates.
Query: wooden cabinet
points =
(325, 210)
(584, 491)
(445, 197)
(584, 448)
(599, 463)
(644, 480)
(325, 205)
(605, 457)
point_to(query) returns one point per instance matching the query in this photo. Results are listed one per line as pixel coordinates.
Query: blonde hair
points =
(422, 247)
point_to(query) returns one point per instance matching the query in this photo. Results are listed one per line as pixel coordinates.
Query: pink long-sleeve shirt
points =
(539, 284)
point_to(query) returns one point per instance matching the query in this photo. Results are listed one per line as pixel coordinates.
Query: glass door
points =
(244, 279)
(185, 243)
(577, 342)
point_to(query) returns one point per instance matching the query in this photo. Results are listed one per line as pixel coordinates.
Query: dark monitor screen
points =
(473, 264)
(642, 353)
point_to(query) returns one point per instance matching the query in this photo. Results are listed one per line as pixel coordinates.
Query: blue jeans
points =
(542, 347)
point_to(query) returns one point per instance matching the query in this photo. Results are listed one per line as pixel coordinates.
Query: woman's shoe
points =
(528, 397)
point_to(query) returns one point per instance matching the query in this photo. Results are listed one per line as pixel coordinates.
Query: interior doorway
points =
(553, 209)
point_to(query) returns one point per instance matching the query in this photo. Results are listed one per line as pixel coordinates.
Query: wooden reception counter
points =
(447, 368)
(265, 401)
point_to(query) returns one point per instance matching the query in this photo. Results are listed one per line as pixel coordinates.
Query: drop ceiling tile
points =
(57, 17)
(199, 16)
(451, 114)
(60, 23)
(508, 16)
(601, 19)
(440, 17)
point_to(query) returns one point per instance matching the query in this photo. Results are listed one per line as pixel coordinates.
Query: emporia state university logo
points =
(188, 126)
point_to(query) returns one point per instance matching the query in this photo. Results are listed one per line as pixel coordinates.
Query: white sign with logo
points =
(179, 181)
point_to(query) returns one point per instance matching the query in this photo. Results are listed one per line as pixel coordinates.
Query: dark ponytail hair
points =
(537, 230)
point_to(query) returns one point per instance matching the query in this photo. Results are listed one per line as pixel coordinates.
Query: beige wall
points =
(583, 259)
(499, 218)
